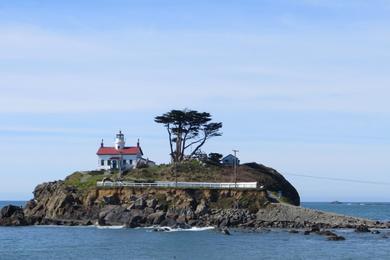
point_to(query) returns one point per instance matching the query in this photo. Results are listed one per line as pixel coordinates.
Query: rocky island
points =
(78, 201)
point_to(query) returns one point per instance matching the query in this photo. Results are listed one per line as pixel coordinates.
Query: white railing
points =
(172, 184)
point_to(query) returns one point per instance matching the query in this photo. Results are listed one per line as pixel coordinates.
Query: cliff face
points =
(56, 202)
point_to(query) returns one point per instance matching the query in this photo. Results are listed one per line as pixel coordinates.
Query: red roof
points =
(125, 151)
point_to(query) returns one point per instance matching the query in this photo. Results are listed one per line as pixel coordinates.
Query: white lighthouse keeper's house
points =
(120, 156)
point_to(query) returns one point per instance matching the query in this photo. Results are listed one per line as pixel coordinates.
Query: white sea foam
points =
(170, 229)
(110, 227)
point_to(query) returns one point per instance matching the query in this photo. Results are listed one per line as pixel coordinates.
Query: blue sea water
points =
(55, 242)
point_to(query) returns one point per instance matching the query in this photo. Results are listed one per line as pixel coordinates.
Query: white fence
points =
(169, 184)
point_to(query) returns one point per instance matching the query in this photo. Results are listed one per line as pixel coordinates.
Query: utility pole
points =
(235, 167)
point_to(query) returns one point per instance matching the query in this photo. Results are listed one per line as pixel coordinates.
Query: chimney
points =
(102, 143)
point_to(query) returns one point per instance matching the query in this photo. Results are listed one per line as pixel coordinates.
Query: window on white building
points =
(124, 162)
(102, 162)
(131, 161)
(108, 162)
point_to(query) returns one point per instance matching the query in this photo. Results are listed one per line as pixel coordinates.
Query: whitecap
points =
(110, 227)
(170, 229)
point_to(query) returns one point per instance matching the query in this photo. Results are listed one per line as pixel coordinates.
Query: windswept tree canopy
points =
(186, 128)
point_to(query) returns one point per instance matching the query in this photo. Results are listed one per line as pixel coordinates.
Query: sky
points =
(301, 86)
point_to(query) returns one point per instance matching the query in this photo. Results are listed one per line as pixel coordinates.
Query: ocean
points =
(57, 242)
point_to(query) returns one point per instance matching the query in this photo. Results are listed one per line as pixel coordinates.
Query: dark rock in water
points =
(336, 238)
(183, 226)
(306, 232)
(169, 222)
(113, 215)
(224, 223)
(225, 231)
(262, 230)
(137, 217)
(326, 233)
(88, 223)
(375, 232)
(315, 228)
(336, 202)
(293, 231)
(12, 216)
(362, 229)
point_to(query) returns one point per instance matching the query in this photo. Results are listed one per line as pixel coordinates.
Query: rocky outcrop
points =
(56, 203)
(61, 204)
(12, 216)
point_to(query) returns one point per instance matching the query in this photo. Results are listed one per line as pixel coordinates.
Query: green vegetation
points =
(193, 171)
(83, 181)
(185, 171)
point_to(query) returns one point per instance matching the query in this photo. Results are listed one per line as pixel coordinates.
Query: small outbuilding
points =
(230, 160)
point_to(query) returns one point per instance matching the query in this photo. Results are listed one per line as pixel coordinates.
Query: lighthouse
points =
(121, 157)
(119, 141)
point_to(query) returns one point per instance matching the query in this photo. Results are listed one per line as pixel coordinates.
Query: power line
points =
(339, 179)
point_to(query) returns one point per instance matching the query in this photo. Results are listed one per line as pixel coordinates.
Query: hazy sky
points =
(301, 86)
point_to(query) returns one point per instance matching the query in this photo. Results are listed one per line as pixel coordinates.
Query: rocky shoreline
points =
(57, 204)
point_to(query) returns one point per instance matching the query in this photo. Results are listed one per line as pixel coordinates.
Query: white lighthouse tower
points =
(119, 141)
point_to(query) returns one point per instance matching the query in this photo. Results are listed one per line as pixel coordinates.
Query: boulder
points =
(362, 229)
(156, 218)
(137, 218)
(169, 222)
(182, 225)
(113, 215)
(12, 215)
(225, 231)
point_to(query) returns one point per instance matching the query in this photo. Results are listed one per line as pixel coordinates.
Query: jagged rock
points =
(156, 218)
(224, 223)
(131, 206)
(225, 231)
(182, 225)
(111, 200)
(137, 217)
(202, 208)
(114, 215)
(140, 203)
(148, 211)
(169, 222)
(133, 198)
(12, 216)
(336, 238)
(362, 229)
(152, 203)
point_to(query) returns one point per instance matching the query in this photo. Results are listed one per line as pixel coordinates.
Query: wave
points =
(110, 227)
(170, 229)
